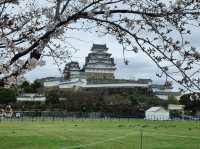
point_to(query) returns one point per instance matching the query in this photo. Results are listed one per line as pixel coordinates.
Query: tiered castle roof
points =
(99, 59)
(71, 70)
(72, 66)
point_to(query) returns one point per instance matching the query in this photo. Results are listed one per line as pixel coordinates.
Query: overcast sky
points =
(140, 66)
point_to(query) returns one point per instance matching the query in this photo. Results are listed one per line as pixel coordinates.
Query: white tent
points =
(157, 113)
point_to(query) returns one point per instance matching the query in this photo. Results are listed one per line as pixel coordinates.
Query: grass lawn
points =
(99, 134)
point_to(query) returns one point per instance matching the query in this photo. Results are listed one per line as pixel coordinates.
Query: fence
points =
(53, 115)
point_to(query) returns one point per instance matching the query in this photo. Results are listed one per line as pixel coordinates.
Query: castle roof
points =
(99, 47)
(72, 65)
(99, 56)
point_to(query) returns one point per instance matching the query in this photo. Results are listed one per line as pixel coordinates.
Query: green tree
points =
(25, 87)
(7, 96)
(25, 84)
(82, 101)
(191, 102)
(117, 99)
(133, 100)
(172, 100)
(146, 101)
(36, 86)
(52, 96)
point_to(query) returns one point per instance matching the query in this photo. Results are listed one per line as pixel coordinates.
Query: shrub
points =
(7, 96)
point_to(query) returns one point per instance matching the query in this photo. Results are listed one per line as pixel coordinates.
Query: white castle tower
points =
(98, 64)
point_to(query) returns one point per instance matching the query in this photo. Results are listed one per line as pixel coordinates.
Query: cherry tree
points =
(158, 28)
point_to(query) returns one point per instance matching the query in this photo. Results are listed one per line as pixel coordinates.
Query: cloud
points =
(140, 66)
(137, 68)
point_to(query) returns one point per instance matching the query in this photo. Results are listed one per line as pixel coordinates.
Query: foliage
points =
(82, 101)
(191, 102)
(35, 87)
(44, 28)
(116, 99)
(111, 100)
(172, 100)
(25, 87)
(7, 96)
(52, 96)
(134, 101)
(146, 101)
(119, 101)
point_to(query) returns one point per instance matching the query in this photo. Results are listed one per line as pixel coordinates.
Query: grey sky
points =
(140, 66)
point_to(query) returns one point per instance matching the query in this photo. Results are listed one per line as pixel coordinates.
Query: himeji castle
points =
(98, 72)
(99, 65)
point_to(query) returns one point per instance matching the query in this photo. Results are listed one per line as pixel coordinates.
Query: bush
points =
(172, 100)
(191, 102)
(7, 96)
(52, 96)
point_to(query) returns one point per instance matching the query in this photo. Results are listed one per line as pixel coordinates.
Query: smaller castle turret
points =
(71, 71)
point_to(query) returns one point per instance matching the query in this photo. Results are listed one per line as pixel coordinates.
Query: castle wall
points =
(99, 76)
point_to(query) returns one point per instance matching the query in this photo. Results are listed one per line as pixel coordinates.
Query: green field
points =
(99, 134)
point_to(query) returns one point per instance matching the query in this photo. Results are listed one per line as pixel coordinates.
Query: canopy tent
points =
(157, 113)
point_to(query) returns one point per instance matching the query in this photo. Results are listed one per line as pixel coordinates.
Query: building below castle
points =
(98, 72)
